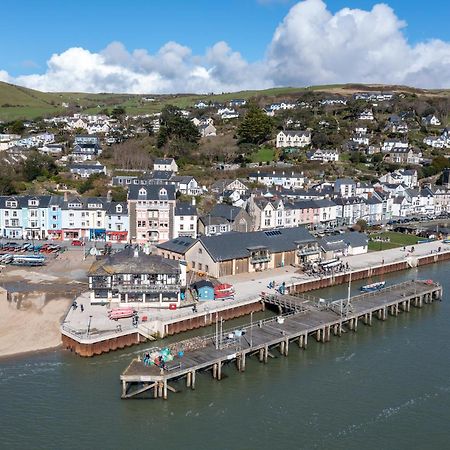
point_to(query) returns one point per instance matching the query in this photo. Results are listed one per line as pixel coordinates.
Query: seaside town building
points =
(135, 278)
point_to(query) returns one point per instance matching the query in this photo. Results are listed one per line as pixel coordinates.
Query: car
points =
(77, 243)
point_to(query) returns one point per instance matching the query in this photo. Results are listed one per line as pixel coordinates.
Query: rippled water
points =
(384, 387)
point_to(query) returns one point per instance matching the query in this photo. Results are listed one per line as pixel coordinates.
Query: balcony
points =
(308, 251)
(260, 259)
(147, 288)
(100, 285)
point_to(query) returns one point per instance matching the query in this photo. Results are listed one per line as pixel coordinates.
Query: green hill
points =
(17, 102)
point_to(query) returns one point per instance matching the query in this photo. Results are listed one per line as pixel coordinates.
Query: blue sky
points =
(223, 44)
(32, 30)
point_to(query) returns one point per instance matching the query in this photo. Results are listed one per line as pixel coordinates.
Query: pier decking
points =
(304, 317)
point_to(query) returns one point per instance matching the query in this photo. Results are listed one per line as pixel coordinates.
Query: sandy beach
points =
(38, 300)
(30, 323)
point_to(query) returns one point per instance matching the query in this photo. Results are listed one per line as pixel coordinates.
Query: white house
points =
(366, 115)
(293, 138)
(165, 165)
(325, 155)
(431, 120)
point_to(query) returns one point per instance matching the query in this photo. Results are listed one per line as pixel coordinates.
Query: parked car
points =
(77, 243)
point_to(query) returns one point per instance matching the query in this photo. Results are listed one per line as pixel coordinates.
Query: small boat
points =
(121, 313)
(373, 287)
(446, 241)
(223, 292)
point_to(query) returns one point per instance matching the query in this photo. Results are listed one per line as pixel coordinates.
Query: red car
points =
(77, 243)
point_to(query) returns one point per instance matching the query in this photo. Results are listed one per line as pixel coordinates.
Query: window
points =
(200, 250)
(193, 264)
(206, 268)
(200, 266)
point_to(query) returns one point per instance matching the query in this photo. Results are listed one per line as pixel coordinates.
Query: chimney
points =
(66, 196)
(109, 197)
(193, 201)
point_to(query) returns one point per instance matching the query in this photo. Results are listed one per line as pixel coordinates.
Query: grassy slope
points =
(27, 103)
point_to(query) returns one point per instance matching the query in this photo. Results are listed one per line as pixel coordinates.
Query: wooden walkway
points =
(310, 318)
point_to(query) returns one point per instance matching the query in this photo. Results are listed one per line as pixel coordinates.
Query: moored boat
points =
(373, 286)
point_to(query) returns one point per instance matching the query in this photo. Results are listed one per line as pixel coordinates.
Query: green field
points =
(265, 154)
(395, 240)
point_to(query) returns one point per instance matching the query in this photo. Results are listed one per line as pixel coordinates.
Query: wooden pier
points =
(304, 318)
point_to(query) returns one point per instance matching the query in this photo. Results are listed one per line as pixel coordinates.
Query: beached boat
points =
(121, 313)
(224, 292)
(373, 287)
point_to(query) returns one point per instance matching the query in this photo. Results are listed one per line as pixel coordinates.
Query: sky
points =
(163, 46)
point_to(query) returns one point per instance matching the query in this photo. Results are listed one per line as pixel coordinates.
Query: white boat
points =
(373, 287)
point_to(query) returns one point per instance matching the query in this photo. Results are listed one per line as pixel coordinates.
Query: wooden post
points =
(160, 389)
(219, 370)
(370, 319)
(282, 347)
(188, 379)
(165, 390)
(242, 362)
(305, 342)
(355, 324)
(318, 335)
(261, 355)
(124, 388)
(155, 390)
(266, 353)
(286, 347)
(193, 380)
(214, 371)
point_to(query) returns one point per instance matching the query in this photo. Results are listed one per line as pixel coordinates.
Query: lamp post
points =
(89, 325)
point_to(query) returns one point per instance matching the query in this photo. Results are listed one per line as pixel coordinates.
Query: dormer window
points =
(162, 192)
(142, 191)
(33, 202)
(119, 208)
(11, 204)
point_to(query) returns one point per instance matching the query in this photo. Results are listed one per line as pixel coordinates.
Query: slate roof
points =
(126, 262)
(178, 245)
(152, 192)
(210, 220)
(341, 241)
(164, 160)
(185, 209)
(236, 244)
(226, 211)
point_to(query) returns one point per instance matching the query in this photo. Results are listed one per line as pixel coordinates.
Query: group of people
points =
(281, 288)
(314, 270)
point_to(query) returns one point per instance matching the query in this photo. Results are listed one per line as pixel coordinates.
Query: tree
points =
(17, 127)
(118, 112)
(175, 129)
(256, 127)
(361, 225)
(38, 165)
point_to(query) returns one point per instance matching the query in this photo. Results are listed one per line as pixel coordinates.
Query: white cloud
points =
(310, 46)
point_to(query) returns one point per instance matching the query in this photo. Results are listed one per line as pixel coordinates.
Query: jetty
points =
(302, 318)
